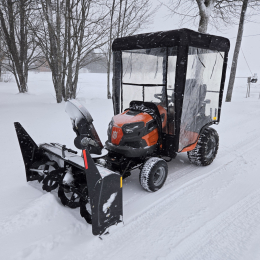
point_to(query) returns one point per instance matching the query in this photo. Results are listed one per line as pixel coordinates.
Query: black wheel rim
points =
(159, 176)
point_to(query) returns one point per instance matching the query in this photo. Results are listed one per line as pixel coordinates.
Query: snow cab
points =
(182, 71)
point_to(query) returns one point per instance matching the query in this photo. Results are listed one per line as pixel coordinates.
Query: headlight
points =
(131, 128)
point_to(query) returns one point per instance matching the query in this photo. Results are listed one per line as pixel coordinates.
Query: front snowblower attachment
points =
(80, 182)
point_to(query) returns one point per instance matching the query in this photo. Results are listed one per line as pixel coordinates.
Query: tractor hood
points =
(129, 117)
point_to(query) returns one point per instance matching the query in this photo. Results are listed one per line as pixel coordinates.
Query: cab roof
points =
(181, 37)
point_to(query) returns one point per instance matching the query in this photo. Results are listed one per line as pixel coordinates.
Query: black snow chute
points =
(82, 123)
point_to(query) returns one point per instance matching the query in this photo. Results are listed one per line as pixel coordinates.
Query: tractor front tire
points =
(206, 149)
(153, 174)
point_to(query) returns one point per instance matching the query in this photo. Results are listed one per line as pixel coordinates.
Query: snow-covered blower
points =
(167, 91)
(80, 182)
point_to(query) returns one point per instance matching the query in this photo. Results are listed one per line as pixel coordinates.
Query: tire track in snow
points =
(224, 237)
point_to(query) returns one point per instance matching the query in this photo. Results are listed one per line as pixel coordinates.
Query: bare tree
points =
(205, 9)
(110, 39)
(68, 32)
(191, 10)
(1, 53)
(18, 48)
(87, 25)
(46, 27)
(210, 12)
(125, 18)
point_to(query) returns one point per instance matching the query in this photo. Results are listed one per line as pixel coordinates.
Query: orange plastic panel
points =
(151, 138)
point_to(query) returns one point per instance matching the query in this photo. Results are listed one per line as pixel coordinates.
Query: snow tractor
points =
(167, 91)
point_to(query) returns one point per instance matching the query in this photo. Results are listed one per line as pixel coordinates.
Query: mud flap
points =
(105, 193)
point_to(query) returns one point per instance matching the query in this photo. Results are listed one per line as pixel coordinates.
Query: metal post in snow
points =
(248, 87)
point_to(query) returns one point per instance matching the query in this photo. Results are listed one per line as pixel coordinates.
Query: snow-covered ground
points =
(201, 213)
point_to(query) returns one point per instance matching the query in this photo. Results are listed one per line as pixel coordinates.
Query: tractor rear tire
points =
(153, 174)
(206, 149)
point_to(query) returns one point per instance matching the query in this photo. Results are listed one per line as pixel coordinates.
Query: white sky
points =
(250, 45)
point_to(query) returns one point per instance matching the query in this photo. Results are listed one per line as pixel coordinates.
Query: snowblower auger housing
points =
(80, 182)
(167, 91)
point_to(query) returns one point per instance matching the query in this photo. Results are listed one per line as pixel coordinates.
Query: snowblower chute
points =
(80, 182)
